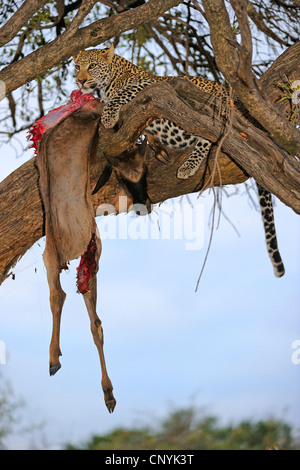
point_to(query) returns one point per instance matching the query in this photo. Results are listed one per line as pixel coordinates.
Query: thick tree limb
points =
(245, 47)
(257, 154)
(46, 57)
(254, 98)
(286, 66)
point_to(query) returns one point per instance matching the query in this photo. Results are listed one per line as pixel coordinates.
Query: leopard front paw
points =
(109, 117)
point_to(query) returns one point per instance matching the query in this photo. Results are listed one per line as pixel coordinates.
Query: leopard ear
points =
(108, 55)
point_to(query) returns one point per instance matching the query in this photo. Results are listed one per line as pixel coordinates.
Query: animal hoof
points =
(110, 404)
(54, 368)
(109, 399)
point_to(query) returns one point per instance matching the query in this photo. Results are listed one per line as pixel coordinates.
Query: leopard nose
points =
(82, 82)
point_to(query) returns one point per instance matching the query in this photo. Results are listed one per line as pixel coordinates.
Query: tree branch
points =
(254, 99)
(9, 30)
(256, 153)
(245, 48)
(258, 20)
(83, 11)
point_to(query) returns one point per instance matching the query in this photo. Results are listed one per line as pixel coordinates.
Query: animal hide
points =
(63, 153)
(63, 163)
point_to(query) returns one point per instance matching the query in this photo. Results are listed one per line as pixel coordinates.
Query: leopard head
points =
(93, 69)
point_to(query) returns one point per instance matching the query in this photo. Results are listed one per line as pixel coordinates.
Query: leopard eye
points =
(77, 68)
(92, 66)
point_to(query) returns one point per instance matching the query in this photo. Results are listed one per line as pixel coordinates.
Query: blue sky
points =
(227, 347)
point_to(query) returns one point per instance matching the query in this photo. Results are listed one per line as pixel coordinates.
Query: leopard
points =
(118, 81)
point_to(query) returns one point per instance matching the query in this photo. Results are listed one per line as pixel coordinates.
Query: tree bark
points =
(9, 30)
(234, 61)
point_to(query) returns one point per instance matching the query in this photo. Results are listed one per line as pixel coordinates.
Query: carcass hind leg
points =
(90, 299)
(57, 298)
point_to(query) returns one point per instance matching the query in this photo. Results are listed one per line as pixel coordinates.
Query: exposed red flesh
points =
(87, 267)
(77, 100)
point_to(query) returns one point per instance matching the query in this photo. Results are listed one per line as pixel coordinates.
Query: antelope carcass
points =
(71, 231)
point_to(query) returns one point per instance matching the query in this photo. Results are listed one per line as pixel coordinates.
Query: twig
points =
(197, 7)
(210, 240)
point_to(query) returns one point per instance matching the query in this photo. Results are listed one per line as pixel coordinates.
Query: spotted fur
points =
(119, 81)
(266, 207)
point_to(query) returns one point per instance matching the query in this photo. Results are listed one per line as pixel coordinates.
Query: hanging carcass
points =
(64, 140)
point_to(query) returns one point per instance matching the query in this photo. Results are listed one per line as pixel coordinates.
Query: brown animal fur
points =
(63, 163)
(131, 171)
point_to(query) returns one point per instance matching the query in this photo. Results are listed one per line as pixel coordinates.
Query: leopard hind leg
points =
(193, 162)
